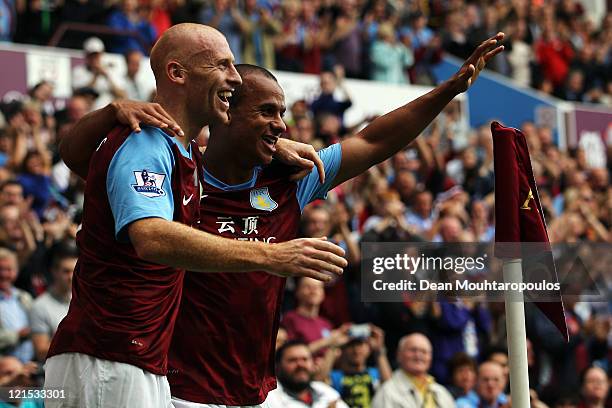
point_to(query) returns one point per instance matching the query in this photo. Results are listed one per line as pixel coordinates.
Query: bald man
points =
(141, 200)
(490, 387)
(411, 386)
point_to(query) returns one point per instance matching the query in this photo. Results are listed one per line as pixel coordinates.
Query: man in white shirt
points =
(296, 389)
(133, 82)
(94, 74)
(411, 386)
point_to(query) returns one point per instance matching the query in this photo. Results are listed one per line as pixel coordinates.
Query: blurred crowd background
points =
(438, 189)
(554, 46)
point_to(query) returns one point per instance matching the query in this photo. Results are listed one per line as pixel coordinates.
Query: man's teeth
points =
(269, 139)
(225, 95)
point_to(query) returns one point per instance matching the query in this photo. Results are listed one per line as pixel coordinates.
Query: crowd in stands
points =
(554, 46)
(333, 349)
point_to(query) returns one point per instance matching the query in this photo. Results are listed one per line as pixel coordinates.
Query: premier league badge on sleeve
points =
(149, 184)
(261, 200)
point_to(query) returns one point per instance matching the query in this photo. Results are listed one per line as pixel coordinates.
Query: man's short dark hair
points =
(10, 182)
(459, 360)
(291, 343)
(245, 70)
(63, 251)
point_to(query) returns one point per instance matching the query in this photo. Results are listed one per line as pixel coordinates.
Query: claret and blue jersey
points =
(223, 346)
(123, 308)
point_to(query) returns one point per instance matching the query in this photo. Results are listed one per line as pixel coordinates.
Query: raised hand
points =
(477, 61)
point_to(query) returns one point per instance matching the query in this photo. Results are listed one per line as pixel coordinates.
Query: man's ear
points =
(176, 73)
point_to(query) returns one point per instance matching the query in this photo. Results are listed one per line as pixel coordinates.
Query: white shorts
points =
(90, 382)
(181, 403)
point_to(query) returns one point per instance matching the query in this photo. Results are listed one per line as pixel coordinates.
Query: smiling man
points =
(411, 386)
(222, 350)
(141, 202)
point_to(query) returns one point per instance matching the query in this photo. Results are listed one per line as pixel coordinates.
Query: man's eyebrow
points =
(225, 61)
(272, 105)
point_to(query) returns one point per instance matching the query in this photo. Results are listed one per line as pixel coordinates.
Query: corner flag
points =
(518, 213)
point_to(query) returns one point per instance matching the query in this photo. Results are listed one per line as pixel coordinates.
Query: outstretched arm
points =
(390, 133)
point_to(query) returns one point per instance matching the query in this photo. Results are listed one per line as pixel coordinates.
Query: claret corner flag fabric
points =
(519, 217)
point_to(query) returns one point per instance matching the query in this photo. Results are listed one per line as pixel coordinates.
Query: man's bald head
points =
(183, 43)
(414, 354)
(195, 75)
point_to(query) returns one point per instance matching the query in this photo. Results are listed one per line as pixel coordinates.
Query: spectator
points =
(574, 88)
(481, 222)
(554, 54)
(18, 231)
(139, 33)
(225, 16)
(289, 43)
(11, 193)
(420, 217)
(317, 223)
(520, 55)
(462, 370)
(391, 225)
(326, 102)
(354, 380)
(51, 307)
(304, 131)
(455, 39)
(595, 387)
(490, 27)
(390, 58)
(95, 74)
(316, 36)
(160, 17)
(460, 326)
(41, 96)
(345, 41)
(135, 86)
(305, 324)
(405, 183)
(36, 182)
(20, 376)
(426, 47)
(411, 386)
(262, 27)
(489, 388)
(296, 388)
(499, 355)
(15, 306)
(76, 107)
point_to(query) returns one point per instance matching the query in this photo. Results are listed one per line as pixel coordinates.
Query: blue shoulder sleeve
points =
(309, 188)
(139, 177)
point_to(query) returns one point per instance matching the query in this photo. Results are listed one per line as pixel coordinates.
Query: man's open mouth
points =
(224, 96)
(270, 140)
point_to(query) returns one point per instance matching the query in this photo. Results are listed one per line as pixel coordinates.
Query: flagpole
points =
(517, 335)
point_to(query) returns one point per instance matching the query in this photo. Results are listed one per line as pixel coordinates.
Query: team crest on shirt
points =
(261, 200)
(149, 184)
